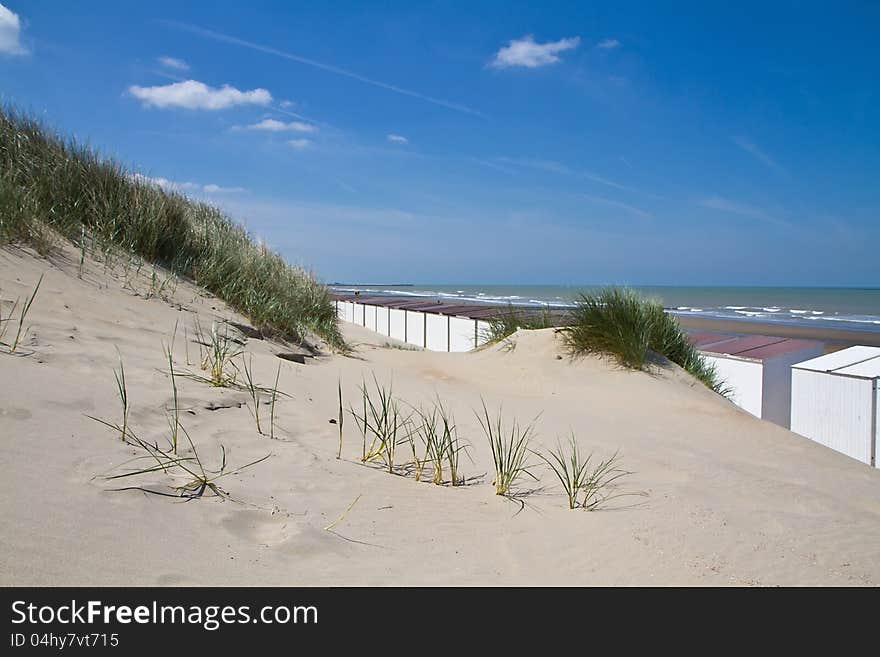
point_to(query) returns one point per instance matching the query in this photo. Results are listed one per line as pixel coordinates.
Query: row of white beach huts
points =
(832, 399)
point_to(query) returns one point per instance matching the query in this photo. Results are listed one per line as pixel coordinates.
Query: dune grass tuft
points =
(51, 187)
(509, 320)
(510, 449)
(220, 349)
(174, 414)
(122, 392)
(340, 419)
(618, 322)
(255, 392)
(597, 484)
(21, 332)
(197, 478)
(380, 423)
(273, 399)
(442, 446)
(570, 468)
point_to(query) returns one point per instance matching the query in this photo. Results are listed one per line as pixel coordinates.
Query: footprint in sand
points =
(282, 532)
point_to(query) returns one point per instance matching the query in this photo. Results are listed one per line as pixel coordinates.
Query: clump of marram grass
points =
(216, 354)
(51, 187)
(442, 447)
(570, 468)
(509, 320)
(21, 331)
(620, 323)
(122, 393)
(380, 423)
(596, 484)
(197, 478)
(253, 390)
(510, 450)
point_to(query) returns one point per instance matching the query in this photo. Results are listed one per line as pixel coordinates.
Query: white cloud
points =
(527, 52)
(10, 33)
(274, 125)
(398, 138)
(300, 144)
(173, 62)
(192, 94)
(608, 44)
(181, 187)
(217, 189)
(287, 104)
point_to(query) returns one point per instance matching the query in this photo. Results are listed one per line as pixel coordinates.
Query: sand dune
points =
(723, 498)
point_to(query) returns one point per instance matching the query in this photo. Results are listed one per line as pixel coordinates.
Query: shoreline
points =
(835, 336)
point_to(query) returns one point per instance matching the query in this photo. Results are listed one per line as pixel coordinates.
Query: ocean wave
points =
(855, 320)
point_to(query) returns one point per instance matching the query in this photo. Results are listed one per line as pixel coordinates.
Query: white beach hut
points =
(757, 369)
(835, 400)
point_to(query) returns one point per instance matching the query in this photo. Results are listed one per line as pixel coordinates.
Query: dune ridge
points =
(724, 498)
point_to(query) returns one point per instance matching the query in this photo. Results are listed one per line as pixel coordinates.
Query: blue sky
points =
(492, 142)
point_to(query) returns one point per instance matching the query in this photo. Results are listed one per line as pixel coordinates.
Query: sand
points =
(723, 498)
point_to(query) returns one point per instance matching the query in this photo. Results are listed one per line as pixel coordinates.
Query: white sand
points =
(729, 499)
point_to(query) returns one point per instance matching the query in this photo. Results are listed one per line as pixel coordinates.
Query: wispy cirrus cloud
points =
(400, 139)
(741, 209)
(617, 204)
(10, 33)
(561, 169)
(274, 125)
(528, 53)
(183, 187)
(608, 44)
(330, 68)
(752, 149)
(173, 62)
(300, 144)
(194, 95)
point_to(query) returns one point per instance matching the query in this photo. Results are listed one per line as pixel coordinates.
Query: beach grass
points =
(585, 485)
(52, 188)
(380, 423)
(570, 468)
(340, 417)
(431, 434)
(218, 358)
(122, 392)
(509, 320)
(174, 415)
(255, 392)
(21, 331)
(620, 323)
(599, 485)
(273, 399)
(198, 479)
(510, 449)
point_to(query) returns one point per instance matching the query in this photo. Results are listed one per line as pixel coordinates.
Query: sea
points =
(850, 308)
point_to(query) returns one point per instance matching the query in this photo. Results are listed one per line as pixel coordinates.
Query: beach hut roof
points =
(859, 361)
(751, 347)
